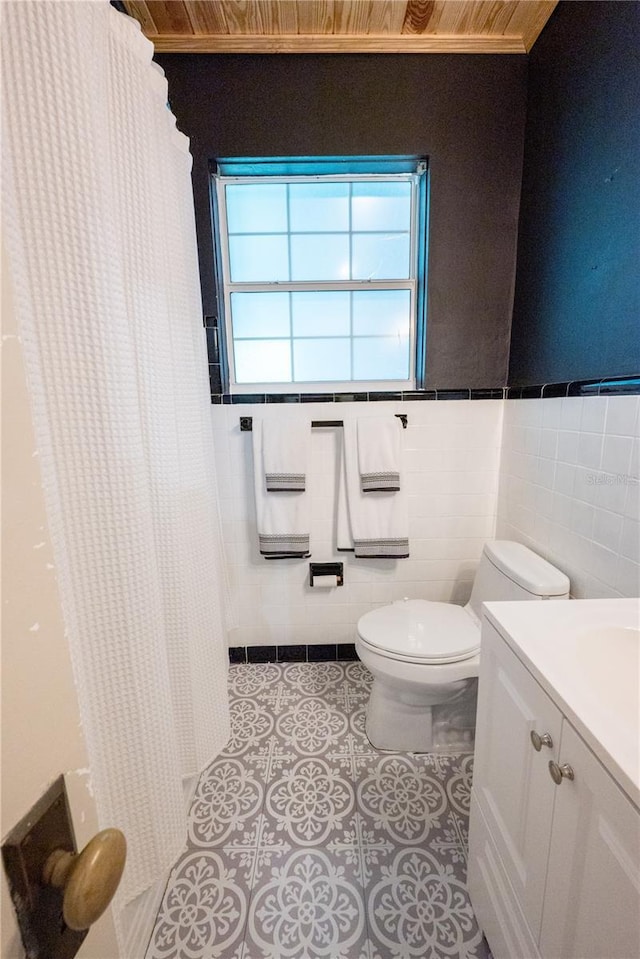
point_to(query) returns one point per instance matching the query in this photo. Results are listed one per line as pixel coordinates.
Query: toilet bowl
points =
(425, 656)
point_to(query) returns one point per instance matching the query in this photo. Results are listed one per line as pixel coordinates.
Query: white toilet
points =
(425, 656)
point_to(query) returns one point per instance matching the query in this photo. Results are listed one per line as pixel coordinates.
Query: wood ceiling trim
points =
(140, 12)
(498, 15)
(364, 17)
(464, 18)
(206, 17)
(315, 17)
(336, 43)
(342, 26)
(169, 16)
(418, 16)
(261, 17)
(532, 32)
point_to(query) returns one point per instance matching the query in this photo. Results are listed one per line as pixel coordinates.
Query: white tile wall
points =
(569, 488)
(452, 451)
(568, 472)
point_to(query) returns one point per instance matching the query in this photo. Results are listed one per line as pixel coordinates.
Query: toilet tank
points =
(509, 571)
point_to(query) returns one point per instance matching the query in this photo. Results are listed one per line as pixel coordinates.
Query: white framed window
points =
(320, 277)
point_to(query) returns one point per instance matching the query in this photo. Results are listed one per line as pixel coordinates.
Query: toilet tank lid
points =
(526, 568)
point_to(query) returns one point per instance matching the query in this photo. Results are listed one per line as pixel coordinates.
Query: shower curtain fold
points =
(100, 237)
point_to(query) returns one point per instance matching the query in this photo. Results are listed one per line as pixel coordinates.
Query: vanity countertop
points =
(586, 655)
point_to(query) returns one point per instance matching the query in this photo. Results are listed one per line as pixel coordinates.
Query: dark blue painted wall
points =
(467, 113)
(577, 301)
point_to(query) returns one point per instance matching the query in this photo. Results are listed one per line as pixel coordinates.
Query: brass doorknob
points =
(89, 879)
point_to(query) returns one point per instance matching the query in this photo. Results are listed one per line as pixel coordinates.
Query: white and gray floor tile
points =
(305, 842)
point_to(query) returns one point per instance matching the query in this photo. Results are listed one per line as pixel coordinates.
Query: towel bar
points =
(246, 422)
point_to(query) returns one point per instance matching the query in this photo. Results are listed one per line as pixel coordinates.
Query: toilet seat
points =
(419, 631)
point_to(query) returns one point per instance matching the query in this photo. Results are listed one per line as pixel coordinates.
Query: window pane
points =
(382, 312)
(292, 245)
(321, 314)
(260, 314)
(381, 206)
(321, 257)
(258, 258)
(256, 208)
(378, 256)
(262, 361)
(381, 358)
(321, 360)
(319, 207)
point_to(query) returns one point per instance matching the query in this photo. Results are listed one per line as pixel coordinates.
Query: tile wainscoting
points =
(569, 488)
(452, 464)
(568, 475)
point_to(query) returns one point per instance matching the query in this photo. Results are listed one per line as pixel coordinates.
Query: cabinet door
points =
(592, 899)
(510, 780)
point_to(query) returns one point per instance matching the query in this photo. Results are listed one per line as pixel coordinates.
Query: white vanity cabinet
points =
(554, 867)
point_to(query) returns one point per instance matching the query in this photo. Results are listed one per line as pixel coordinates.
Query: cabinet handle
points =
(539, 741)
(558, 773)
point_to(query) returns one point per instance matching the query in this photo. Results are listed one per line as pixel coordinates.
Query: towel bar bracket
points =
(246, 422)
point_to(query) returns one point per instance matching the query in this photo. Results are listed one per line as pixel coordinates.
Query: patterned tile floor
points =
(306, 842)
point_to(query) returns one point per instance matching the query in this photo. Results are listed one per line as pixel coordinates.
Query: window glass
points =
(322, 256)
(257, 208)
(321, 273)
(382, 312)
(380, 358)
(260, 314)
(326, 360)
(258, 258)
(380, 256)
(381, 206)
(262, 361)
(319, 207)
(321, 314)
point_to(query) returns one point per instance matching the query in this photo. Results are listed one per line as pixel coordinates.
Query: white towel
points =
(282, 518)
(374, 525)
(344, 539)
(285, 454)
(379, 454)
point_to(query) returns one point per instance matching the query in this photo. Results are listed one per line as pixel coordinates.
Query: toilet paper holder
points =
(327, 569)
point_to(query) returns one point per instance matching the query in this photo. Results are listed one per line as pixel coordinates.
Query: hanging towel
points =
(374, 525)
(344, 539)
(282, 517)
(285, 455)
(379, 454)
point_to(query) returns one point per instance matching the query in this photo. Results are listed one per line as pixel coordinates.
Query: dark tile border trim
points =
(453, 394)
(490, 394)
(608, 386)
(620, 385)
(313, 653)
(583, 388)
(379, 396)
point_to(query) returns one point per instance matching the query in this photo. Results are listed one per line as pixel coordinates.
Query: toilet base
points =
(392, 724)
(407, 725)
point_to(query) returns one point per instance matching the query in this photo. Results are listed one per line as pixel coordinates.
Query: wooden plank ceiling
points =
(342, 26)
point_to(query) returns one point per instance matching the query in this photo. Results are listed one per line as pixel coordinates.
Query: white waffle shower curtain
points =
(99, 229)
